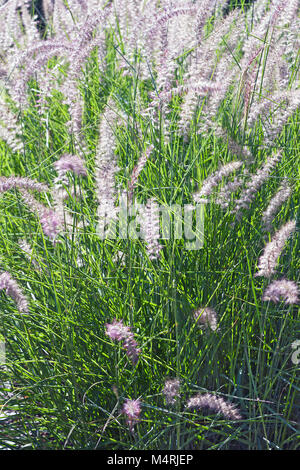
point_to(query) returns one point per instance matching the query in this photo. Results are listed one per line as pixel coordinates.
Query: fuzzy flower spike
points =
(206, 317)
(282, 290)
(117, 331)
(268, 261)
(171, 390)
(12, 289)
(68, 162)
(215, 404)
(214, 179)
(132, 411)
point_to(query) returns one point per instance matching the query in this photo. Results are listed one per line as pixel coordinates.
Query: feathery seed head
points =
(213, 180)
(72, 163)
(13, 290)
(171, 390)
(268, 261)
(132, 410)
(215, 404)
(282, 289)
(207, 317)
(119, 332)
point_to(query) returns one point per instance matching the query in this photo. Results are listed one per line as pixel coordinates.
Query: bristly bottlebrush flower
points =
(131, 347)
(287, 100)
(150, 228)
(223, 70)
(51, 223)
(276, 202)
(76, 165)
(137, 170)
(7, 183)
(119, 332)
(74, 42)
(282, 290)
(213, 180)
(275, 75)
(106, 165)
(10, 128)
(132, 410)
(224, 195)
(207, 317)
(268, 261)
(156, 40)
(202, 68)
(255, 183)
(204, 10)
(263, 17)
(68, 162)
(281, 118)
(12, 289)
(171, 390)
(215, 404)
(164, 97)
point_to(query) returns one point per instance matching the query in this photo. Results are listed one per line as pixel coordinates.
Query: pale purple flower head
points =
(11, 182)
(214, 179)
(12, 289)
(70, 163)
(276, 202)
(253, 185)
(132, 349)
(207, 317)
(132, 411)
(171, 390)
(51, 223)
(282, 290)
(120, 332)
(117, 330)
(268, 260)
(215, 404)
(150, 228)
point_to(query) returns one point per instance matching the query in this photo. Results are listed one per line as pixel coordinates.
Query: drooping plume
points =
(171, 390)
(284, 290)
(268, 261)
(255, 183)
(7, 183)
(13, 290)
(215, 404)
(137, 170)
(132, 410)
(224, 195)
(119, 332)
(106, 166)
(213, 180)
(276, 202)
(10, 127)
(150, 228)
(207, 317)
